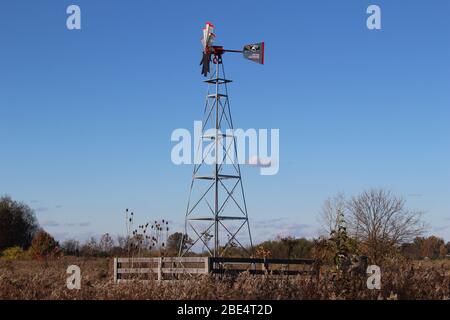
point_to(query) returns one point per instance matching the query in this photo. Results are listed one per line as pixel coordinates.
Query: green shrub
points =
(14, 253)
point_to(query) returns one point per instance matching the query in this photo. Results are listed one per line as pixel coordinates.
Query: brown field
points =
(27, 279)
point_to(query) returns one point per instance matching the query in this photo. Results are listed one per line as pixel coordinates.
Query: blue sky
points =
(86, 116)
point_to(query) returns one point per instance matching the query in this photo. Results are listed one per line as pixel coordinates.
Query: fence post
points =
(207, 265)
(160, 263)
(115, 270)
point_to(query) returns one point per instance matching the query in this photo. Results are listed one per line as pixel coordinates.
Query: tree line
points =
(375, 223)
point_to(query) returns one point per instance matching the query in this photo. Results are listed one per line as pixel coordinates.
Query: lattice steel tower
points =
(216, 205)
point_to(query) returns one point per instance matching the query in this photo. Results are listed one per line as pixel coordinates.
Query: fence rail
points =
(204, 265)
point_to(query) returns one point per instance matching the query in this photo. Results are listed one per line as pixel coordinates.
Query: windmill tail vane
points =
(253, 52)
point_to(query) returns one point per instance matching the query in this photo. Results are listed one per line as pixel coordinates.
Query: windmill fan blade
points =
(254, 52)
(206, 59)
(203, 43)
(208, 35)
(207, 40)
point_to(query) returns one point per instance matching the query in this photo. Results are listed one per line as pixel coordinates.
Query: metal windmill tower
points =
(216, 209)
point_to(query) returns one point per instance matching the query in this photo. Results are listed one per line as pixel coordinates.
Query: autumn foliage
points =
(44, 246)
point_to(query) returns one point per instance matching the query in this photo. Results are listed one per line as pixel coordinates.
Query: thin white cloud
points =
(260, 162)
(50, 223)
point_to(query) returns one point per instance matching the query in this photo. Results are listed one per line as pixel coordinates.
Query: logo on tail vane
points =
(254, 52)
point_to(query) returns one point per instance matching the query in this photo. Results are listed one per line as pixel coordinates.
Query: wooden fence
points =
(263, 266)
(159, 266)
(126, 269)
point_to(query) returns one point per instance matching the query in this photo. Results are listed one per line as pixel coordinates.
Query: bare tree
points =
(71, 247)
(106, 243)
(380, 220)
(329, 215)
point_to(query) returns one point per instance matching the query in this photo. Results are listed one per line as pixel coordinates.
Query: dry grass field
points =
(28, 279)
